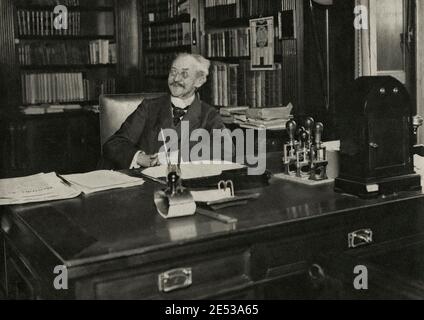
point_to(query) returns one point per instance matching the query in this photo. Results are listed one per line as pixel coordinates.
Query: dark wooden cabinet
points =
(64, 143)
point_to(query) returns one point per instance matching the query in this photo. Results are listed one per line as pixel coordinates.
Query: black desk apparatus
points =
(377, 139)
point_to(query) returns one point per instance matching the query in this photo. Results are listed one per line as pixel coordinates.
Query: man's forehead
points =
(184, 63)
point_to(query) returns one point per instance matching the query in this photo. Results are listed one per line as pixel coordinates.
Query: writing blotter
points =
(194, 170)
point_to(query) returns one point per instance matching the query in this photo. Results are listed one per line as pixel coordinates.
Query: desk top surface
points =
(124, 222)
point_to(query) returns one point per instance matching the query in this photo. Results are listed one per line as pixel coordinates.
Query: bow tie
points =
(178, 114)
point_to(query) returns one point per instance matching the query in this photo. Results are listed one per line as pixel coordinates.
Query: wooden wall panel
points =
(420, 63)
(9, 93)
(127, 34)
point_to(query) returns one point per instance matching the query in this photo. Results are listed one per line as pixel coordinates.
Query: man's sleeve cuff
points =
(134, 164)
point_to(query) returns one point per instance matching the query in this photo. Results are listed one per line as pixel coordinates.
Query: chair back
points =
(116, 108)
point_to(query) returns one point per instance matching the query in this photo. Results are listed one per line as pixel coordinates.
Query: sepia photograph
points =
(213, 155)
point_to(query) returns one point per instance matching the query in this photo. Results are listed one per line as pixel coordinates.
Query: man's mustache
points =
(175, 84)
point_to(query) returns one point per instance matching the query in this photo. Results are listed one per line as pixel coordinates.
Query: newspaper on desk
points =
(49, 187)
(36, 188)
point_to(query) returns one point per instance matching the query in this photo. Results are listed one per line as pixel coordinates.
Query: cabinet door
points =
(63, 144)
(46, 142)
(83, 144)
(384, 159)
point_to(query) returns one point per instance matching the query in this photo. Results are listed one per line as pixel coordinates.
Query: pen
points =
(216, 216)
(168, 161)
(64, 180)
(140, 174)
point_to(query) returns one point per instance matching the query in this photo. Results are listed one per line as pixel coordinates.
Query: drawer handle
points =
(175, 279)
(360, 238)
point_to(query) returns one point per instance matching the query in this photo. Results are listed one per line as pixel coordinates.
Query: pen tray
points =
(239, 177)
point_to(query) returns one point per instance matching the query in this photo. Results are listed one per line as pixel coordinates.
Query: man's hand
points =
(147, 161)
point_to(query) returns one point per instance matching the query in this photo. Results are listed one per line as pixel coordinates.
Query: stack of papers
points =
(278, 124)
(230, 114)
(63, 107)
(102, 180)
(266, 118)
(33, 110)
(267, 114)
(36, 188)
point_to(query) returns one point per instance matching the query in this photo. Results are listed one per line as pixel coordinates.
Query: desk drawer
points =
(379, 225)
(184, 279)
(363, 228)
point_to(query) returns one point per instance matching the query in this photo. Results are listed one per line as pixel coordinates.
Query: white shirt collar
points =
(182, 104)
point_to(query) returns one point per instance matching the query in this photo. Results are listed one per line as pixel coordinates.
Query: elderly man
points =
(137, 143)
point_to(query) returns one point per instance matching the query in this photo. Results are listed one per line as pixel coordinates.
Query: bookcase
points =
(222, 34)
(54, 77)
(65, 66)
(168, 27)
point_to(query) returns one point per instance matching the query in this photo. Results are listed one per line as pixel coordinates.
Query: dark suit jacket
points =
(141, 130)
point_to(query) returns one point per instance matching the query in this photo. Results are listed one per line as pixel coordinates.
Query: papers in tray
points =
(36, 188)
(102, 180)
(419, 166)
(211, 195)
(195, 170)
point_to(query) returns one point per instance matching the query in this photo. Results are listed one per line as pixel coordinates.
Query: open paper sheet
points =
(102, 180)
(36, 188)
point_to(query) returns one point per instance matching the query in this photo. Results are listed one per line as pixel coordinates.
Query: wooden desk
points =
(115, 245)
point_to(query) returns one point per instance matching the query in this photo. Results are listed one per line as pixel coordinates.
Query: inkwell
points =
(175, 201)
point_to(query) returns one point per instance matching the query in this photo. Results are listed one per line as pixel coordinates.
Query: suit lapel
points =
(166, 120)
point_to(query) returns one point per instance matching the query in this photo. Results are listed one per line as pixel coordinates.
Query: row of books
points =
(177, 34)
(94, 88)
(238, 85)
(102, 52)
(62, 87)
(223, 10)
(158, 64)
(70, 3)
(228, 43)
(42, 23)
(236, 43)
(159, 10)
(73, 53)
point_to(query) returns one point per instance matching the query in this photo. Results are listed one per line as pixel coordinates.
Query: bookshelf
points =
(168, 27)
(54, 78)
(65, 66)
(227, 40)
